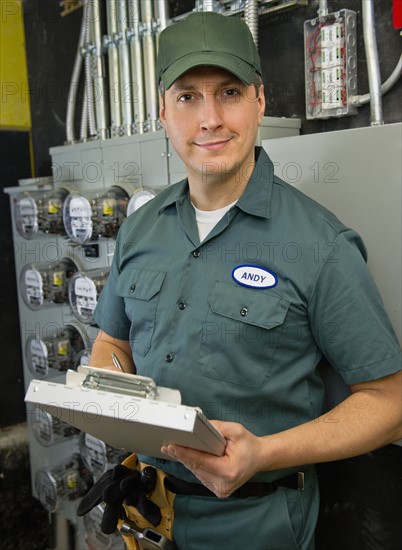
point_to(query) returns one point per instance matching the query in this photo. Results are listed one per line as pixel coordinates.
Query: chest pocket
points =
(239, 333)
(140, 290)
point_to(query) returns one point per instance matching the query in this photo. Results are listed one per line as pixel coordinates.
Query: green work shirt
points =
(239, 322)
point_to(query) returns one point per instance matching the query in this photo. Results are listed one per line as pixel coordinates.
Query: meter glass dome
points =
(50, 212)
(108, 212)
(63, 483)
(46, 283)
(48, 429)
(139, 198)
(58, 352)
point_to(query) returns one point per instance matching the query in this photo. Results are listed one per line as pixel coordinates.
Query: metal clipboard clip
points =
(139, 386)
(132, 385)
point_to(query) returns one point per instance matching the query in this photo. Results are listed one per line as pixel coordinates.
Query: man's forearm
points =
(368, 419)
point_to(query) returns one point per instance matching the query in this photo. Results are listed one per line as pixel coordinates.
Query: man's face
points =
(211, 118)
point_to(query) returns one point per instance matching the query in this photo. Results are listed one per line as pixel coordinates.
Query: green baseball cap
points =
(207, 38)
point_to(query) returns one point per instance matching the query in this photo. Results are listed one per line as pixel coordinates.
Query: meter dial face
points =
(32, 288)
(84, 298)
(26, 216)
(37, 357)
(77, 217)
(93, 452)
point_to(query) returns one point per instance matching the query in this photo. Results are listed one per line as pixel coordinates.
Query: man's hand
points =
(222, 475)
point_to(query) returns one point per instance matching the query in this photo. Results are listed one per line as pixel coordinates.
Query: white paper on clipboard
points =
(140, 424)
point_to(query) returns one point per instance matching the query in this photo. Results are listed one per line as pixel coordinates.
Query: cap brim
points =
(229, 62)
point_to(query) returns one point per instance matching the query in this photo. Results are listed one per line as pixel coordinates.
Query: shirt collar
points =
(256, 199)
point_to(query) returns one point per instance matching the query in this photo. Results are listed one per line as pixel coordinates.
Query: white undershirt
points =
(207, 219)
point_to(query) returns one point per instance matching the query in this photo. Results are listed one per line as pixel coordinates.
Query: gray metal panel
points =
(154, 162)
(277, 127)
(357, 175)
(121, 157)
(79, 164)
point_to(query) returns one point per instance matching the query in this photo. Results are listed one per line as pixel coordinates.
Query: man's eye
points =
(231, 93)
(185, 97)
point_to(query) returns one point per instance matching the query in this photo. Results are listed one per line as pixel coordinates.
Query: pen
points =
(116, 362)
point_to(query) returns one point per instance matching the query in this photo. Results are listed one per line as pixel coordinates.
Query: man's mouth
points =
(213, 145)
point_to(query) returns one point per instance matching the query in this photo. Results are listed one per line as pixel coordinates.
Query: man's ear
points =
(261, 103)
(162, 109)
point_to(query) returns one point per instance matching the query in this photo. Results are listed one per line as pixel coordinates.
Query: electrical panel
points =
(330, 65)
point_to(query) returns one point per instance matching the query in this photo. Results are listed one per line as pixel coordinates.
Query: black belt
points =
(249, 489)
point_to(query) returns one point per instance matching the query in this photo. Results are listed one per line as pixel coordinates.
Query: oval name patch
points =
(254, 276)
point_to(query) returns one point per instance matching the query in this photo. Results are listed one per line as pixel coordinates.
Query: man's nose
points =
(211, 114)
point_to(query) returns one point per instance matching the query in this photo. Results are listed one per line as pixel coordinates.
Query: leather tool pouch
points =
(160, 496)
(134, 495)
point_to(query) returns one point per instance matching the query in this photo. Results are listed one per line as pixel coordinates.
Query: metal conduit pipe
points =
(89, 91)
(149, 65)
(99, 72)
(162, 14)
(206, 5)
(113, 62)
(359, 100)
(124, 66)
(75, 78)
(84, 119)
(251, 18)
(322, 8)
(137, 89)
(373, 65)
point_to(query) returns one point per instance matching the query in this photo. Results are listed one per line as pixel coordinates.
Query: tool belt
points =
(139, 501)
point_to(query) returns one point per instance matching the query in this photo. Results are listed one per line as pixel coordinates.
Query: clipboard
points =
(127, 411)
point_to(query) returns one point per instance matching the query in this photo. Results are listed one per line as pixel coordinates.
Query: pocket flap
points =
(254, 307)
(139, 283)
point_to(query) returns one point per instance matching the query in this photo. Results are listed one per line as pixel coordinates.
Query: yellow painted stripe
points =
(15, 111)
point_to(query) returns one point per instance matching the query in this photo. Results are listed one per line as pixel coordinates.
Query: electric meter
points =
(109, 211)
(46, 283)
(60, 351)
(140, 197)
(50, 212)
(49, 430)
(26, 215)
(98, 455)
(83, 293)
(94, 216)
(64, 483)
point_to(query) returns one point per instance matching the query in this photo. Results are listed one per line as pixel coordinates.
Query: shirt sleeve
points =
(110, 314)
(348, 318)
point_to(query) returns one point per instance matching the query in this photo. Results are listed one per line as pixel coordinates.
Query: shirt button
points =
(196, 253)
(132, 288)
(243, 311)
(169, 357)
(182, 305)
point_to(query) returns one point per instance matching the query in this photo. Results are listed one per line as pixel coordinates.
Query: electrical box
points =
(330, 65)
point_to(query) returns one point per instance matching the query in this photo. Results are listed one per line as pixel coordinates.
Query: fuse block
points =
(330, 65)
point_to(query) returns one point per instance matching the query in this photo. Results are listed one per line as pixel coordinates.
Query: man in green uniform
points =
(231, 286)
